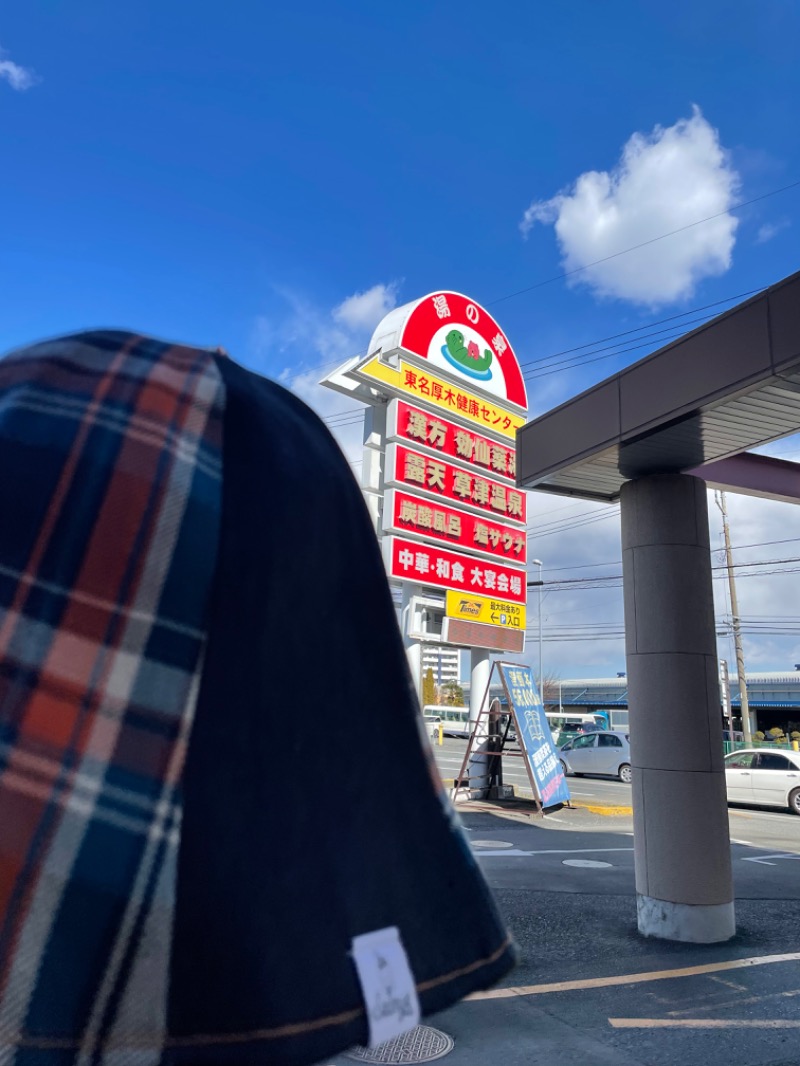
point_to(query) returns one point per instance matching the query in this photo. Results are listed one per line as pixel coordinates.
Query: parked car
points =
(606, 752)
(732, 735)
(765, 777)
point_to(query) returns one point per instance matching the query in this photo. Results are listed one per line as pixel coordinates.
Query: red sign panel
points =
(430, 474)
(468, 339)
(425, 518)
(428, 564)
(409, 423)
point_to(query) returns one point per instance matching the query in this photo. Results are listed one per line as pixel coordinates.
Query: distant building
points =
(443, 660)
(774, 697)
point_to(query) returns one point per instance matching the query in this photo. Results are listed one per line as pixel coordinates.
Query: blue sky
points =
(272, 177)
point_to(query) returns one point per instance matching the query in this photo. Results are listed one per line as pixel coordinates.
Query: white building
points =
(443, 660)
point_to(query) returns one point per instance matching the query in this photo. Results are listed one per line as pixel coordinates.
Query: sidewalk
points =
(589, 990)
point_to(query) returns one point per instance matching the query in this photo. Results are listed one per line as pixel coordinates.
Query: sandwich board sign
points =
(533, 735)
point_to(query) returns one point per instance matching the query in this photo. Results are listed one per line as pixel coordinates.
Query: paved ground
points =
(584, 790)
(589, 990)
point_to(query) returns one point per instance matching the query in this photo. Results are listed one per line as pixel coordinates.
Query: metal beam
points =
(752, 475)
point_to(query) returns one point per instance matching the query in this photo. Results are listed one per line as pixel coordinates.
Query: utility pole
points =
(737, 632)
(538, 562)
(725, 685)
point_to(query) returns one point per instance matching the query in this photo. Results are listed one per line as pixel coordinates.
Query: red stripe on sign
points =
(426, 473)
(425, 429)
(422, 517)
(428, 564)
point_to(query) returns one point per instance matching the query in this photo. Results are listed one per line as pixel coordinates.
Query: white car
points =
(604, 752)
(766, 777)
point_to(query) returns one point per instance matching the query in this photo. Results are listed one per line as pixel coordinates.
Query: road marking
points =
(702, 1023)
(559, 851)
(764, 858)
(574, 851)
(634, 978)
(595, 864)
(514, 852)
(738, 1001)
(748, 843)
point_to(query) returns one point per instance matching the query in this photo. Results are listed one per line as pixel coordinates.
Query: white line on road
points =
(555, 851)
(703, 1023)
(633, 978)
(763, 858)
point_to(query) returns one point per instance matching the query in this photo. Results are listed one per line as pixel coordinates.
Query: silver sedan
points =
(604, 752)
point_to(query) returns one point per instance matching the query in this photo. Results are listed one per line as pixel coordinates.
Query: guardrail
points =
(787, 744)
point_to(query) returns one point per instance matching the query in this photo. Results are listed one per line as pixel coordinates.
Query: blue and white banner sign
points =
(533, 733)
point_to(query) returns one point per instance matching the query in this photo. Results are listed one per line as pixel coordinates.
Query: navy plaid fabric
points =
(111, 481)
(213, 770)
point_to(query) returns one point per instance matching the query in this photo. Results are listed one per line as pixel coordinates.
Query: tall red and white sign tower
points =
(446, 397)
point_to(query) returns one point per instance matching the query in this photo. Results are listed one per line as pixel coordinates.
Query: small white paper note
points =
(387, 983)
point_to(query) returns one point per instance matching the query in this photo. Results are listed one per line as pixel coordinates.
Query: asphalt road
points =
(451, 754)
(757, 827)
(588, 989)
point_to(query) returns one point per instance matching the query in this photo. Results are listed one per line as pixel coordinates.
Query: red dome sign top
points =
(460, 337)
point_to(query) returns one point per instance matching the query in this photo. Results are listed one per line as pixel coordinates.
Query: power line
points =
(616, 562)
(532, 530)
(646, 325)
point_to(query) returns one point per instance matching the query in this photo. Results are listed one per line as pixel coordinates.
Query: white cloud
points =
(770, 230)
(364, 310)
(344, 417)
(311, 341)
(664, 180)
(19, 78)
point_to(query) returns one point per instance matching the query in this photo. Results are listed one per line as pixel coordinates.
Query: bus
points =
(455, 720)
(564, 725)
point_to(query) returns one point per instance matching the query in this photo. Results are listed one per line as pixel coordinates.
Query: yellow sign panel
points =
(484, 609)
(429, 389)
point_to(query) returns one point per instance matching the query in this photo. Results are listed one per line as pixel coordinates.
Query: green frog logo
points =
(467, 358)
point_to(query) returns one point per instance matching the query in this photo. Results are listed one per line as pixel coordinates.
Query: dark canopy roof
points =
(693, 406)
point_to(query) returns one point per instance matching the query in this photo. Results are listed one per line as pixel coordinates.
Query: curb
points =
(609, 810)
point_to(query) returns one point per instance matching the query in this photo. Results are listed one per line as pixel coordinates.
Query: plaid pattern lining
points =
(110, 475)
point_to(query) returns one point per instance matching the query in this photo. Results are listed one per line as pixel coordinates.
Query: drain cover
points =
(593, 864)
(420, 1044)
(491, 844)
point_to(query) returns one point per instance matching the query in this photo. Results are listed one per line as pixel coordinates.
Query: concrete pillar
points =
(413, 647)
(684, 883)
(481, 668)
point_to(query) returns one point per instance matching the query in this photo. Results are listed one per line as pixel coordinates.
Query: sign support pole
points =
(480, 674)
(413, 647)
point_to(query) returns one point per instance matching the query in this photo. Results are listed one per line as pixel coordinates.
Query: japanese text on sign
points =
(412, 514)
(484, 609)
(433, 475)
(425, 385)
(426, 564)
(434, 391)
(534, 734)
(432, 431)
